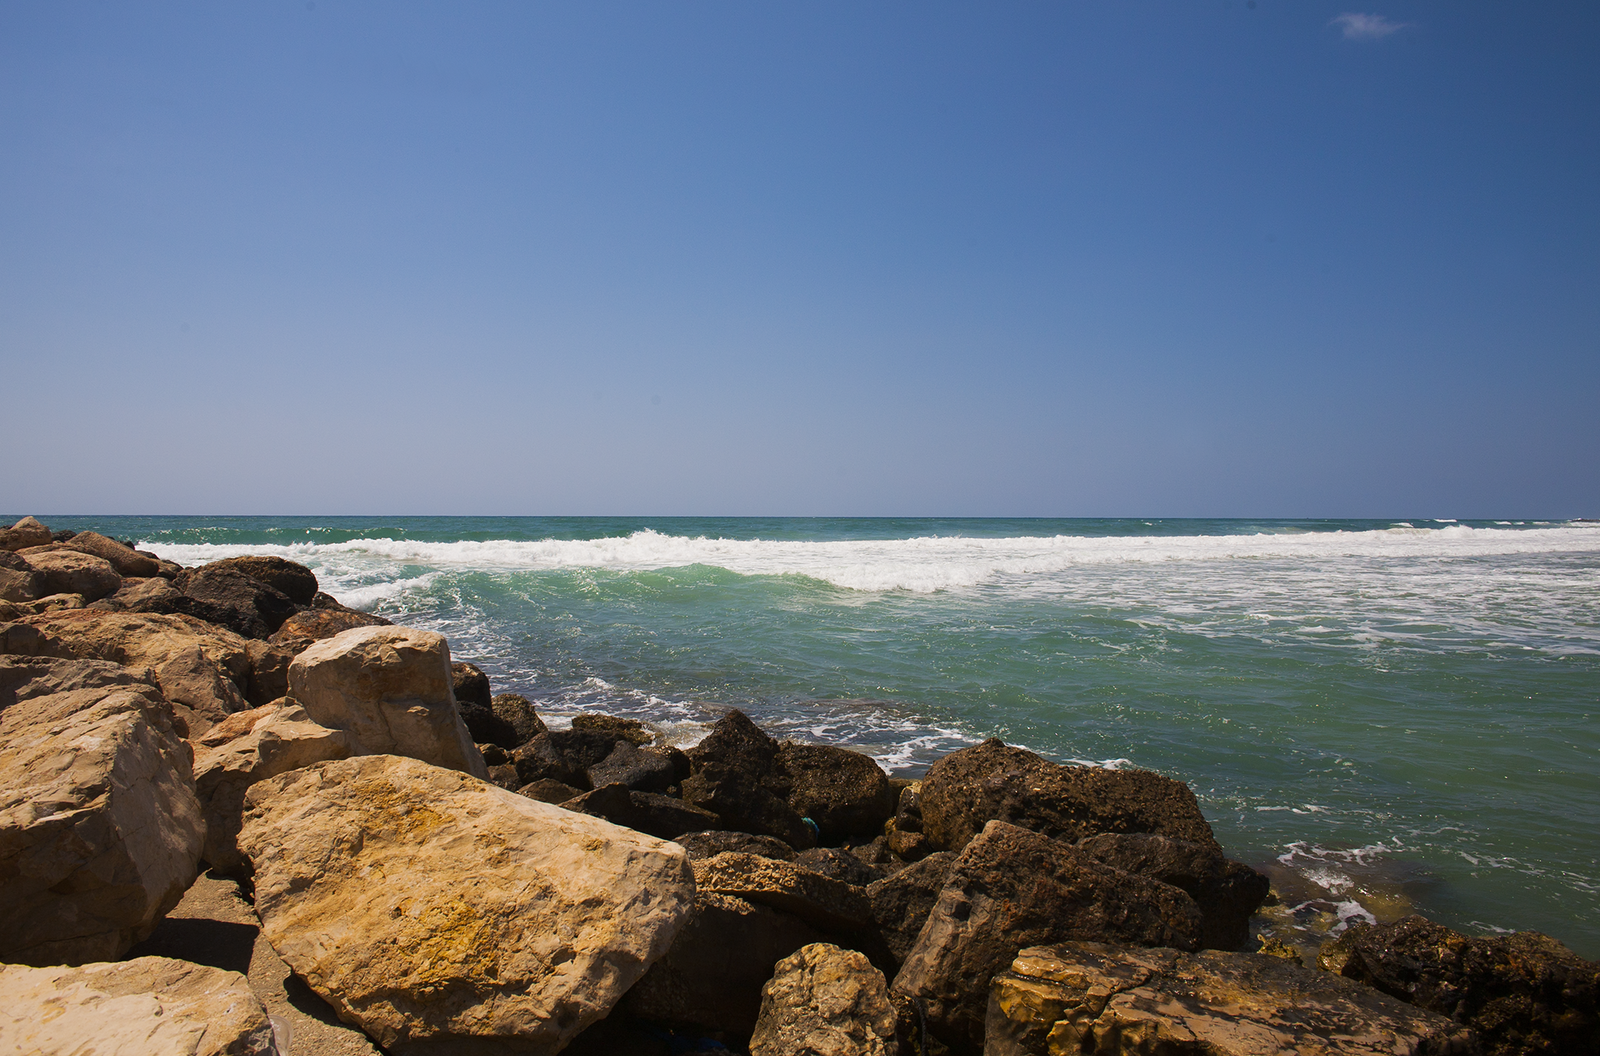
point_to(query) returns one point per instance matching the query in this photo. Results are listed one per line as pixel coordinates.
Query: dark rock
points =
(315, 624)
(494, 755)
(62, 536)
(909, 846)
(661, 816)
(583, 748)
(294, 581)
(839, 865)
(517, 712)
(818, 900)
(25, 533)
(908, 808)
(1226, 892)
(1011, 888)
(471, 686)
(709, 843)
(504, 775)
(547, 790)
(269, 673)
(541, 759)
(641, 769)
(845, 793)
(993, 782)
(614, 726)
(486, 727)
(1521, 993)
(735, 776)
(231, 599)
(618, 1034)
(901, 903)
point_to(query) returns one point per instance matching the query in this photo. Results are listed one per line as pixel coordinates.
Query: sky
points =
(1144, 258)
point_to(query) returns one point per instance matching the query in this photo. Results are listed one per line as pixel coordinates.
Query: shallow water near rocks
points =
(1388, 716)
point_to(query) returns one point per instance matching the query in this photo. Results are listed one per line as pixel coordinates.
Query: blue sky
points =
(1141, 258)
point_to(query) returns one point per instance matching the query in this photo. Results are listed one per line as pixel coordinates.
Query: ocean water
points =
(1389, 716)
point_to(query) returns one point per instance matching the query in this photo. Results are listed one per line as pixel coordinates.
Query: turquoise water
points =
(1402, 712)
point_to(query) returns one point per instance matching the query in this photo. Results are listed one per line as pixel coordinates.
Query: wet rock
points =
(1011, 888)
(24, 534)
(818, 900)
(713, 842)
(504, 922)
(294, 581)
(614, 726)
(313, 625)
(1522, 993)
(825, 1001)
(1088, 997)
(100, 830)
(223, 595)
(991, 781)
(641, 769)
(517, 712)
(471, 685)
(69, 572)
(148, 1006)
(901, 903)
(1226, 892)
(389, 687)
(845, 793)
(735, 775)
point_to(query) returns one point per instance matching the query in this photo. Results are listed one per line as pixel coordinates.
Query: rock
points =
(825, 1001)
(1011, 888)
(149, 1005)
(435, 910)
(614, 726)
(735, 775)
(901, 903)
(1521, 993)
(69, 572)
(547, 790)
(846, 793)
(389, 687)
(1088, 997)
(818, 900)
(152, 594)
(1226, 892)
(189, 678)
(249, 747)
(541, 760)
(223, 595)
(713, 842)
(48, 603)
(909, 846)
(125, 559)
(641, 769)
(517, 713)
(661, 816)
(24, 534)
(991, 781)
(294, 581)
(470, 684)
(839, 864)
(313, 625)
(18, 580)
(100, 830)
(26, 677)
(712, 976)
(269, 672)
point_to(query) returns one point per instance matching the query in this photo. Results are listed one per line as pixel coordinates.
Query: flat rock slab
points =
(442, 914)
(1089, 997)
(149, 1005)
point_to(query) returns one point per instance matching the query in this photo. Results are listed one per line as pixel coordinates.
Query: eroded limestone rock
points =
(825, 1001)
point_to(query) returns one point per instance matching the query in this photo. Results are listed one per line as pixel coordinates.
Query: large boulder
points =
(470, 685)
(1226, 892)
(151, 594)
(70, 572)
(735, 774)
(24, 534)
(1011, 888)
(818, 900)
(1523, 993)
(100, 830)
(148, 1006)
(18, 580)
(825, 1001)
(901, 903)
(389, 687)
(224, 595)
(661, 816)
(641, 769)
(845, 793)
(1088, 997)
(715, 841)
(249, 747)
(435, 910)
(294, 581)
(125, 559)
(313, 625)
(991, 781)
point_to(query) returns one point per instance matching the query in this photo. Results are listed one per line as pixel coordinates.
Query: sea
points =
(1387, 716)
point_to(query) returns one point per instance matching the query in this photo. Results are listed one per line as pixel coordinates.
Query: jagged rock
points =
(69, 572)
(661, 816)
(249, 747)
(434, 910)
(908, 808)
(825, 1001)
(909, 846)
(839, 864)
(18, 580)
(1524, 993)
(149, 1006)
(1226, 892)
(614, 726)
(313, 625)
(817, 900)
(269, 672)
(223, 595)
(991, 781)
(641, 769)
(470, 685)
(16, 610)
(151, 594)
(294, 581)
(100, 830)
(712, 976)
(125, 559)
(389, 687)
(542, 760)
(713, 842)
(735, 775)
(517, 712)
(901, 903)
(26, 677)
(846, 793)
(24, 534)
(549, 790)
(1011, 888)
(1088, 997)
(189, 678)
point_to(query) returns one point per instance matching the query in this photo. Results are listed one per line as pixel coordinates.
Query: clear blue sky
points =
(687, 256)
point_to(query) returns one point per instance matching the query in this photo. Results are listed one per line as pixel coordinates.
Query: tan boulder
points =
(71, 572)
(25, 533)
(149, 1006)
(16, 610)
(243, 749)
(126, 560)
(816, 899)
(313, 625)
(1088, 997)
(825, 1001)
(390, 687)
(442, 914)
(100, 830)
(18, 581)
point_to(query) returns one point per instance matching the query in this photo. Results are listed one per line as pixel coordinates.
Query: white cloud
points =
(1366, 27)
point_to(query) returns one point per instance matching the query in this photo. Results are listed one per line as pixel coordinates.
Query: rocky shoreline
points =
(240, 817)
